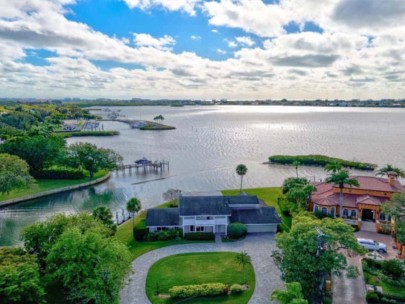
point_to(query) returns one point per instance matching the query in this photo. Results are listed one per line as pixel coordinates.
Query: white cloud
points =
(187, 6)
(214, 31)
(146, 40)
(232, 44)
(245, 41)
(195, 37)
(220, 51)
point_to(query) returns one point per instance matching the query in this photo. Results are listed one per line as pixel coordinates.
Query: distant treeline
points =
(87, 133)
(319, 160)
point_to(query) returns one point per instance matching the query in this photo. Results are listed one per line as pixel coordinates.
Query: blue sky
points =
(239, 49)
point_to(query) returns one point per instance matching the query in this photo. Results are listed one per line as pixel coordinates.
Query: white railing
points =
(204, 222)
(351, 222)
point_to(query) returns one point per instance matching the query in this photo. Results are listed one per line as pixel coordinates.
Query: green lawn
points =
(269, 196)
(198, 268)
(42, 185)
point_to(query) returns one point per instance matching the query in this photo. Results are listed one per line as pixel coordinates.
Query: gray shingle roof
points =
(261, 215)
(242, 200)
(162, 217)
(203, 205)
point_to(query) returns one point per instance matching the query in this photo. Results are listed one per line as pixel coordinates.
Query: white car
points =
(372, 245)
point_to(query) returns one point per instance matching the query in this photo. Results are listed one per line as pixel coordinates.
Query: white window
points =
(200, 228)
(191, 228)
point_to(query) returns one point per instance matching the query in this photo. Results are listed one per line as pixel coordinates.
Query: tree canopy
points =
(395, 207)
(92, 158)
(19, 278)
(14, 173)
(292, 295)
(297, 255)
(104, 214)
(390, 168)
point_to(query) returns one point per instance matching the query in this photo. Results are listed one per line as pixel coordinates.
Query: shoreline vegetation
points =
(45, 187)
(153, 126)
(86, 133)
(318, 161)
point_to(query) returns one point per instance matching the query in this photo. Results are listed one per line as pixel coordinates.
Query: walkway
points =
(258, 246)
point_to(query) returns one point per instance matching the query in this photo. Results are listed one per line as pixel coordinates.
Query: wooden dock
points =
(144, 165)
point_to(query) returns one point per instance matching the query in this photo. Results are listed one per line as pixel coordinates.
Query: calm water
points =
(208, 144)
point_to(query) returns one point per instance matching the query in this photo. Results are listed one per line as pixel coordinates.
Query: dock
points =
(144, 165)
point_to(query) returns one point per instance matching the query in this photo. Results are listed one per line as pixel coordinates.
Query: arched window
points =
(345, 213)
(353, 213)
(324, 211)
(332, 212)
(384, 218)
(316, 210)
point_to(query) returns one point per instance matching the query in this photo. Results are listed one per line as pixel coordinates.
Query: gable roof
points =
(261, 215)
(203, 205)
(242, 200)
(162, 217)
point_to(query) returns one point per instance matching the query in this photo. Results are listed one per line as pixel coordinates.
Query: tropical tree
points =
(395, 208)
(292, 295)
(390, 168)
(296, 164)
(14, 173)
(333, 167)
(241, 170)
(341, 178)
(301, 259)
(19, 277)
(298, 197)
(243, 259)
(92, 158)
(104, 214)
(293, 182)
(133, 206)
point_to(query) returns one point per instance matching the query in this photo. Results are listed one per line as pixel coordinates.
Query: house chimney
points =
(392, 177)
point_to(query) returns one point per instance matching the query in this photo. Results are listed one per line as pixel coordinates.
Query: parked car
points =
(372, 245)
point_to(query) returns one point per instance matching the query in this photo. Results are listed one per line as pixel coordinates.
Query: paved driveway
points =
(258, 246)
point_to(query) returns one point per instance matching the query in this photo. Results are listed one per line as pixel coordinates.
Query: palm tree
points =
(243, 259)
(293, 294)
(134, 206)
(104, 214)
(241, 170)
(296, 164)
(341, 178)
(333, 167)
(390, 168)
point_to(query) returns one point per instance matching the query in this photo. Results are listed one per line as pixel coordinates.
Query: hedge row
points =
(165, 235)
(237, 230)
(199, 236)
(60, 173)
(87, 133)
(202, 290)
(319, 160)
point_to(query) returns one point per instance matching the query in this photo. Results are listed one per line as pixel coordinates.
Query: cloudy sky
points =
(235, 49)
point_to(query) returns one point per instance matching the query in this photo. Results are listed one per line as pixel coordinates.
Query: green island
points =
(319, 160)
(86, 133)
(153, 126)
(199, 268)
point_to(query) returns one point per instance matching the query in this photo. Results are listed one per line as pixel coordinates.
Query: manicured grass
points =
(198, 268)
(42, 185)
(270, 197)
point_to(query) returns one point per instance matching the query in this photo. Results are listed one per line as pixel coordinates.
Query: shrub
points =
(352, 272)
(393, 269)
(327, 300)
(385, 228)
(237, 289)
(199, 236)
(373, 263)
(372, 297)
(237, 230)
(202, 290)
(164, 235)
(140, 233)
(60, 173)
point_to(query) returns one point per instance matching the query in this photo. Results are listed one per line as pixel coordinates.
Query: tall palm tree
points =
(241, 170)
(134, 206)
(390, 168)
(333, 167)
(243, 259)
(341, 178)
(296, 164)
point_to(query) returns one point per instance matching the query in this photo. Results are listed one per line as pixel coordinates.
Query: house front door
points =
(367, 215)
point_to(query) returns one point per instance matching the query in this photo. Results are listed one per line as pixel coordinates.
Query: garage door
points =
(262, 228)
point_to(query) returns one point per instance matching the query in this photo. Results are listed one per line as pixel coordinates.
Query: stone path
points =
(258, 246)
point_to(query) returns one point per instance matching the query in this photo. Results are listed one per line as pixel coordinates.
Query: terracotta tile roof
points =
(378, 184)
(368, 200)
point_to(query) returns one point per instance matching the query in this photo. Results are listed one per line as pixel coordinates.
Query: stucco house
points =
(361, 205)
(214, 214)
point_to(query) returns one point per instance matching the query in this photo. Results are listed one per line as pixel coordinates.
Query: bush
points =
(140, 233)
(237, 230)
(327, 300)
(385, 228)
(237, 289)
(165, 235)
(352, 272)
(393, 269)
(60, 173)
(202, 290)
(199, 236)
(373, 263)
(372, 297)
